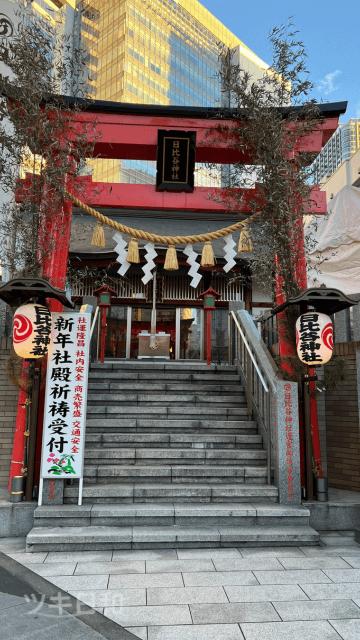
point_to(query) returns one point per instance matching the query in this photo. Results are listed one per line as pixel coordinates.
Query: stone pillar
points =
(342, 326)
(53, 491)
(236, 305)
(285, 456)
(356, 317)
(92, 300)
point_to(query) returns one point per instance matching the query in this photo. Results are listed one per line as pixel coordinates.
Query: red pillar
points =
(17, 458)
(208, 335)
(57, 228)
(286, 350)
(103, 335)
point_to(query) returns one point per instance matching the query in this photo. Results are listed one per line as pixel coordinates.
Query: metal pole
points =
(94, 322)
(41, 485)
(268, 437)
(35, 374)
(249, 386)
(308, 441)
(98, 341)
(201, 317)
(103, 334)
(128, 333)
(229, 340)
(177, 332)
(81, 482)
(153, 314)
(208, 336)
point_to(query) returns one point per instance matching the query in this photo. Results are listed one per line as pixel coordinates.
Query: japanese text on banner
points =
(65, 402)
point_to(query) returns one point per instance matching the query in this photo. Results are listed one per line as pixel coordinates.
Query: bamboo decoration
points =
(171, 261)
(245, 243)
(133, 251)
(98, 239)
(207, 258)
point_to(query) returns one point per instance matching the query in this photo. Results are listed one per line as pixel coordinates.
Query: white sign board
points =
(62, 452)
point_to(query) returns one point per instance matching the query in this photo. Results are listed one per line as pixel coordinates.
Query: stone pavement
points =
(32, 608)
(265, 593)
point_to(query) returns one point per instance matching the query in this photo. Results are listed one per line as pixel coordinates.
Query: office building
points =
(341, 146)
(161, 52)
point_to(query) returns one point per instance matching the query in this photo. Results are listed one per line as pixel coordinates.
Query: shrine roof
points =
(327, 110)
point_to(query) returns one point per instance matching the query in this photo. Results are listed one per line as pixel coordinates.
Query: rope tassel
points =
(245, 243)
(133, 252)
(171, 261)
(207, 258)
(98, 239)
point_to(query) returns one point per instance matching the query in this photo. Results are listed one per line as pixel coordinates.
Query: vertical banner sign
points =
(175, 160)
(65, 399)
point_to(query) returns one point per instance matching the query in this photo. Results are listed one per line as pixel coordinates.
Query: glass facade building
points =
(160, 52)
(341, 146)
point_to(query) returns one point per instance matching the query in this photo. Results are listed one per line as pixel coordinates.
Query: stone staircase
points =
(171, 460)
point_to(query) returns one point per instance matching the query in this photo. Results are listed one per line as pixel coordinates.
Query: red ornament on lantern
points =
(32, 331)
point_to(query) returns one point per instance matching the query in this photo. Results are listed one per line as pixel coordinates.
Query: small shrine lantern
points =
(209, 298)
(31, 331)
(314, 338)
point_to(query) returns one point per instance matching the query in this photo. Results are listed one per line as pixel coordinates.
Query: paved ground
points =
(278, 593)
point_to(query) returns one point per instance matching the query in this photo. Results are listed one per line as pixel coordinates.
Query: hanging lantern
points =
(32, 331)
(314, 338)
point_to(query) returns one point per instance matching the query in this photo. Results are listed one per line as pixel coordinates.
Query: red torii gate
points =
(129, 131)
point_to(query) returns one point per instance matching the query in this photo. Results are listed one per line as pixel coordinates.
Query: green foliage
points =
(272, 116)
(334, 374)
(40, 137)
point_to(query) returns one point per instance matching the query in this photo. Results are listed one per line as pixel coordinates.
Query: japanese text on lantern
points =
(65, 402)
(309, 337)
(289, 441)
(41, 324)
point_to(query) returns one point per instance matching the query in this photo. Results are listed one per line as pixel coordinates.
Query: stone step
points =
(102, 537)
(146, 365)
(152, 514)
(111, 424)
(173, 411)
(170, 376)
(173, 441)
(168, 492)
(131, 386)
(160, 456)
(177, 401)
(178, 473)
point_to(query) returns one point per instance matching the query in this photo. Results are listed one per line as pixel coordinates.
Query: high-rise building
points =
(341, 146)
(161, 52)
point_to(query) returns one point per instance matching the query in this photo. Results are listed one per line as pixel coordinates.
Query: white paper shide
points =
(65, 401)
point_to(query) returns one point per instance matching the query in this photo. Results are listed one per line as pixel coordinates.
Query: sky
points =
(330, 30)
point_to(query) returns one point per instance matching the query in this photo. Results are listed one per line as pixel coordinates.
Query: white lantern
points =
(32, 331)
(314, 338)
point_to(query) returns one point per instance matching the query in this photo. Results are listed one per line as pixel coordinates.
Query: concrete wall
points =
(321, 405)
(9, 394)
